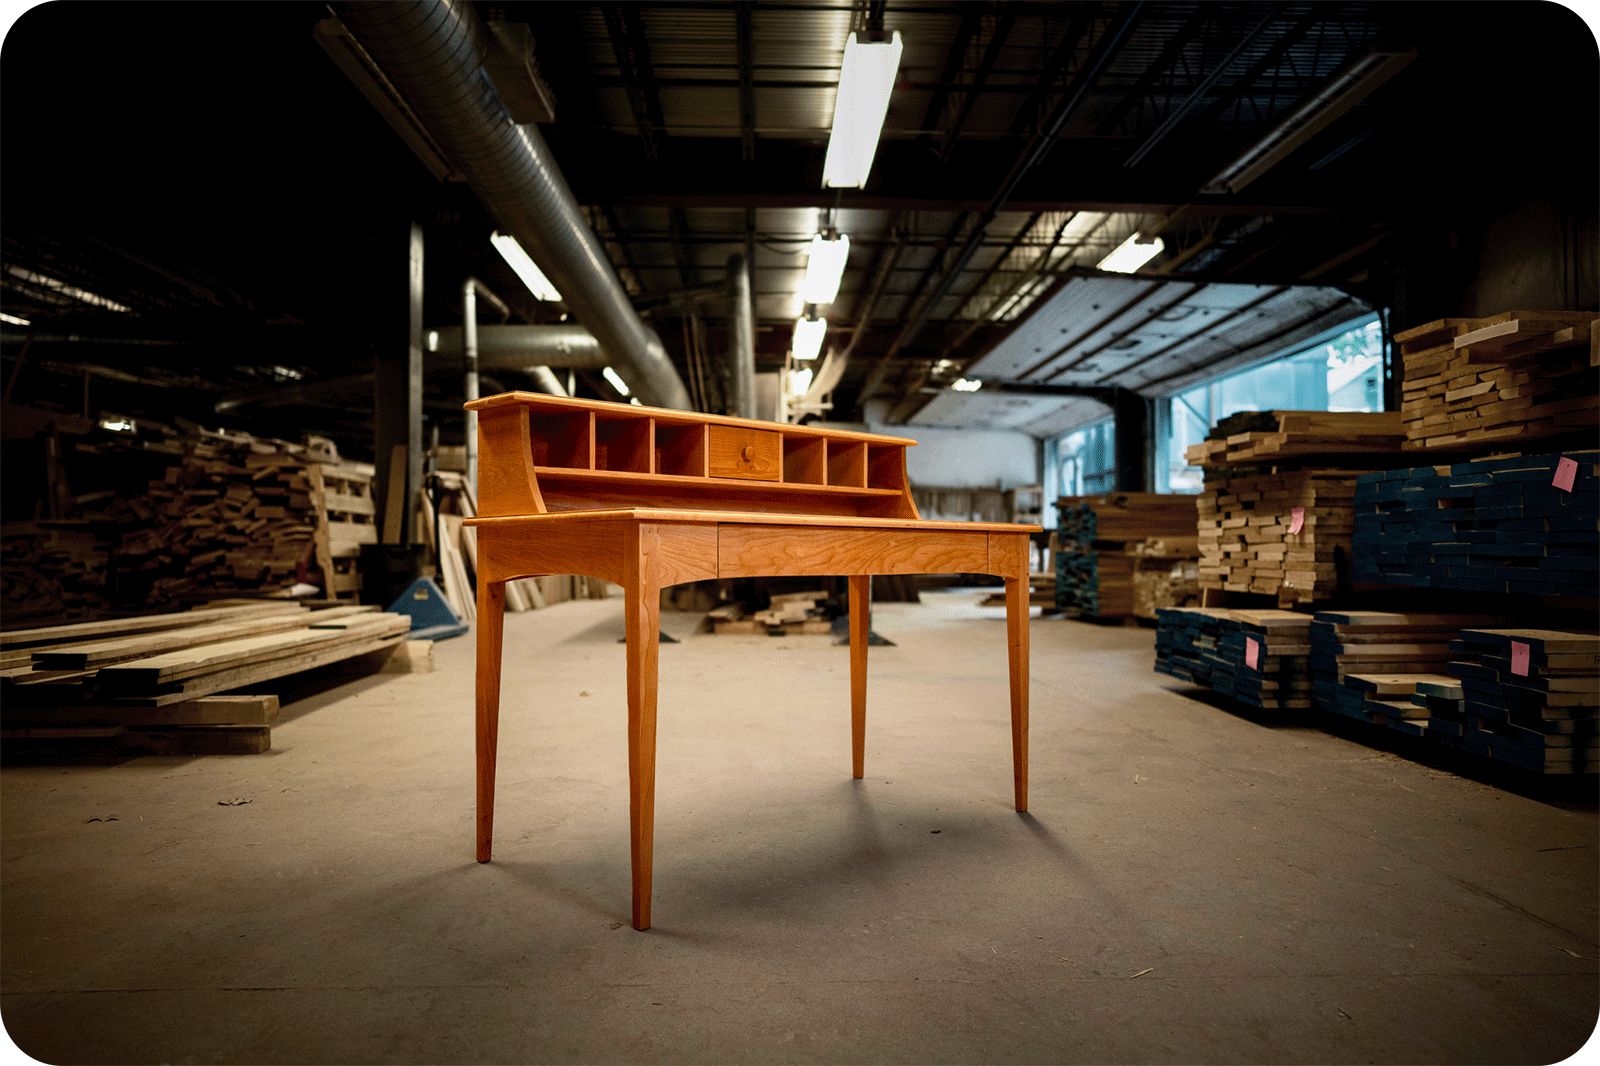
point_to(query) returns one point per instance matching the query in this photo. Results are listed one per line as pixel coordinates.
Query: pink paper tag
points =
(1519, 658)
(1566, 470)
(1297, 519)
(1252, 653)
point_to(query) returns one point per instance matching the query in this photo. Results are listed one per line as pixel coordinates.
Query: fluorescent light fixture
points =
(825, 268)
(966, 385)
(117, 425)
(14, 320)
(799, 381)
(615, 379)
(1346, 89)
(57, 286)
(518, 260)
(865, 82)
(1132, 254)
(808, 334)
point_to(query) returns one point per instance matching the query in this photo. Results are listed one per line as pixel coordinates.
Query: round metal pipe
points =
(433, 54)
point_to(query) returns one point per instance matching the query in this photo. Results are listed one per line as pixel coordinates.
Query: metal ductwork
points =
(433, 54)
(516, 346)
(741, 339)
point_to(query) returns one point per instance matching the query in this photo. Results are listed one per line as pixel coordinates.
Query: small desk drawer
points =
(736, 452)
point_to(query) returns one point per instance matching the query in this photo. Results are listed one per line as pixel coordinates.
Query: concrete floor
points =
(1192, 885)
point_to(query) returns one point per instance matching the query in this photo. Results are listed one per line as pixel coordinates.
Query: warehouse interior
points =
(253, 262)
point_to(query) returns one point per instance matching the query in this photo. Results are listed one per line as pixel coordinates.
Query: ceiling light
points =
(825, 268)
(14, 320)
(966, 385)
(56, 285)
(808, 334)
(1132, 254)
(518, 260)
(865, 81)
(799, 381)
(1346, 89)
(615, 379)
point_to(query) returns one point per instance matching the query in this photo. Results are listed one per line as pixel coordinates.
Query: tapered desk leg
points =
(491, 616)
(860, 616)
(1017, 595)
(643, 635)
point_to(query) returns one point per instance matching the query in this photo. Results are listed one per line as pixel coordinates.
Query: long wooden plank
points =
(191, 662)
(110, 627)
(252, 674)
(206, 710)
(93, 656)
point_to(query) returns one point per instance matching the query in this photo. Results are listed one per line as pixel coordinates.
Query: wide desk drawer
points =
(737, 452)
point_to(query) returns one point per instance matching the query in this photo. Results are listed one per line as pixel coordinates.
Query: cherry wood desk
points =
(647, 498)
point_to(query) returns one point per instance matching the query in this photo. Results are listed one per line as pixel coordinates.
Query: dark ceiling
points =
(198, 206)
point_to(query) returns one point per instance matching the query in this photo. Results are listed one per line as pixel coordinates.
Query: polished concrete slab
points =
(1190, 885)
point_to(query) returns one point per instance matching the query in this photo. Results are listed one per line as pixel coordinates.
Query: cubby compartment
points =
(624, 444)
(563, 439)
(805, 460)
(681, 450)
(847, 463)
(886, 466)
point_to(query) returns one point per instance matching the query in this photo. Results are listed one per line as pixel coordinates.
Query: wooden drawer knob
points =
(749, 452)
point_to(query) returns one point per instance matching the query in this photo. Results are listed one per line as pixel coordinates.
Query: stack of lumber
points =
(1166, 573)
(1383, 643)
(1258, 657)
(1284, 534)
(1094, 566)
(1124, 516)
(1495, 525)
(1530, 697)
(1159, 583)
(790, 613)
(163, 671)
(1263, 436)
(1520, 374)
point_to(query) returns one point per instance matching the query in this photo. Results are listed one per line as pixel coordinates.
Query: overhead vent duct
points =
(434, 54)
(516, 345)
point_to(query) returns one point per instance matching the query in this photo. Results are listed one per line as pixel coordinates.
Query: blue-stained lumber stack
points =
(1210, 646)
(1094, 571)
(1537, 712)
(1493, 525)
(1379, 642)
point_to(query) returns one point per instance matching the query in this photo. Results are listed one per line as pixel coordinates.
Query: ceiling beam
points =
(744, 35)
(1162, 64)
(626, 31)
(955, 57)
(991, 55)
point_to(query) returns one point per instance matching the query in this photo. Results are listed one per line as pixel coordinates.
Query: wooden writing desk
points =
(648, 498)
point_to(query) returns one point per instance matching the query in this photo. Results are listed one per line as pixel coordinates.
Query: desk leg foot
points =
(489, 625)
(1017, 594)
(643, 614)
(860, 616)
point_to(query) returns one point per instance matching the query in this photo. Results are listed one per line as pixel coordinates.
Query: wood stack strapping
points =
(1249, 540)
(165, 671)
(1302, 433)
(1258, 657)
(1521, 374)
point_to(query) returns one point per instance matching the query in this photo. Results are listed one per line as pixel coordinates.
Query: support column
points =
(397, 384)
(1133, 443)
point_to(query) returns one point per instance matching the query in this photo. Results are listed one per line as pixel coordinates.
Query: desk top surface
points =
(661, 514)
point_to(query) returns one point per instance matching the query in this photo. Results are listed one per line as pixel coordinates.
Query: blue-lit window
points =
(1080, 463)
(1342, 374)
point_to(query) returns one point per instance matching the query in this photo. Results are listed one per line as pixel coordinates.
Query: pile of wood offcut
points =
(790, 613)
(153, 682)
